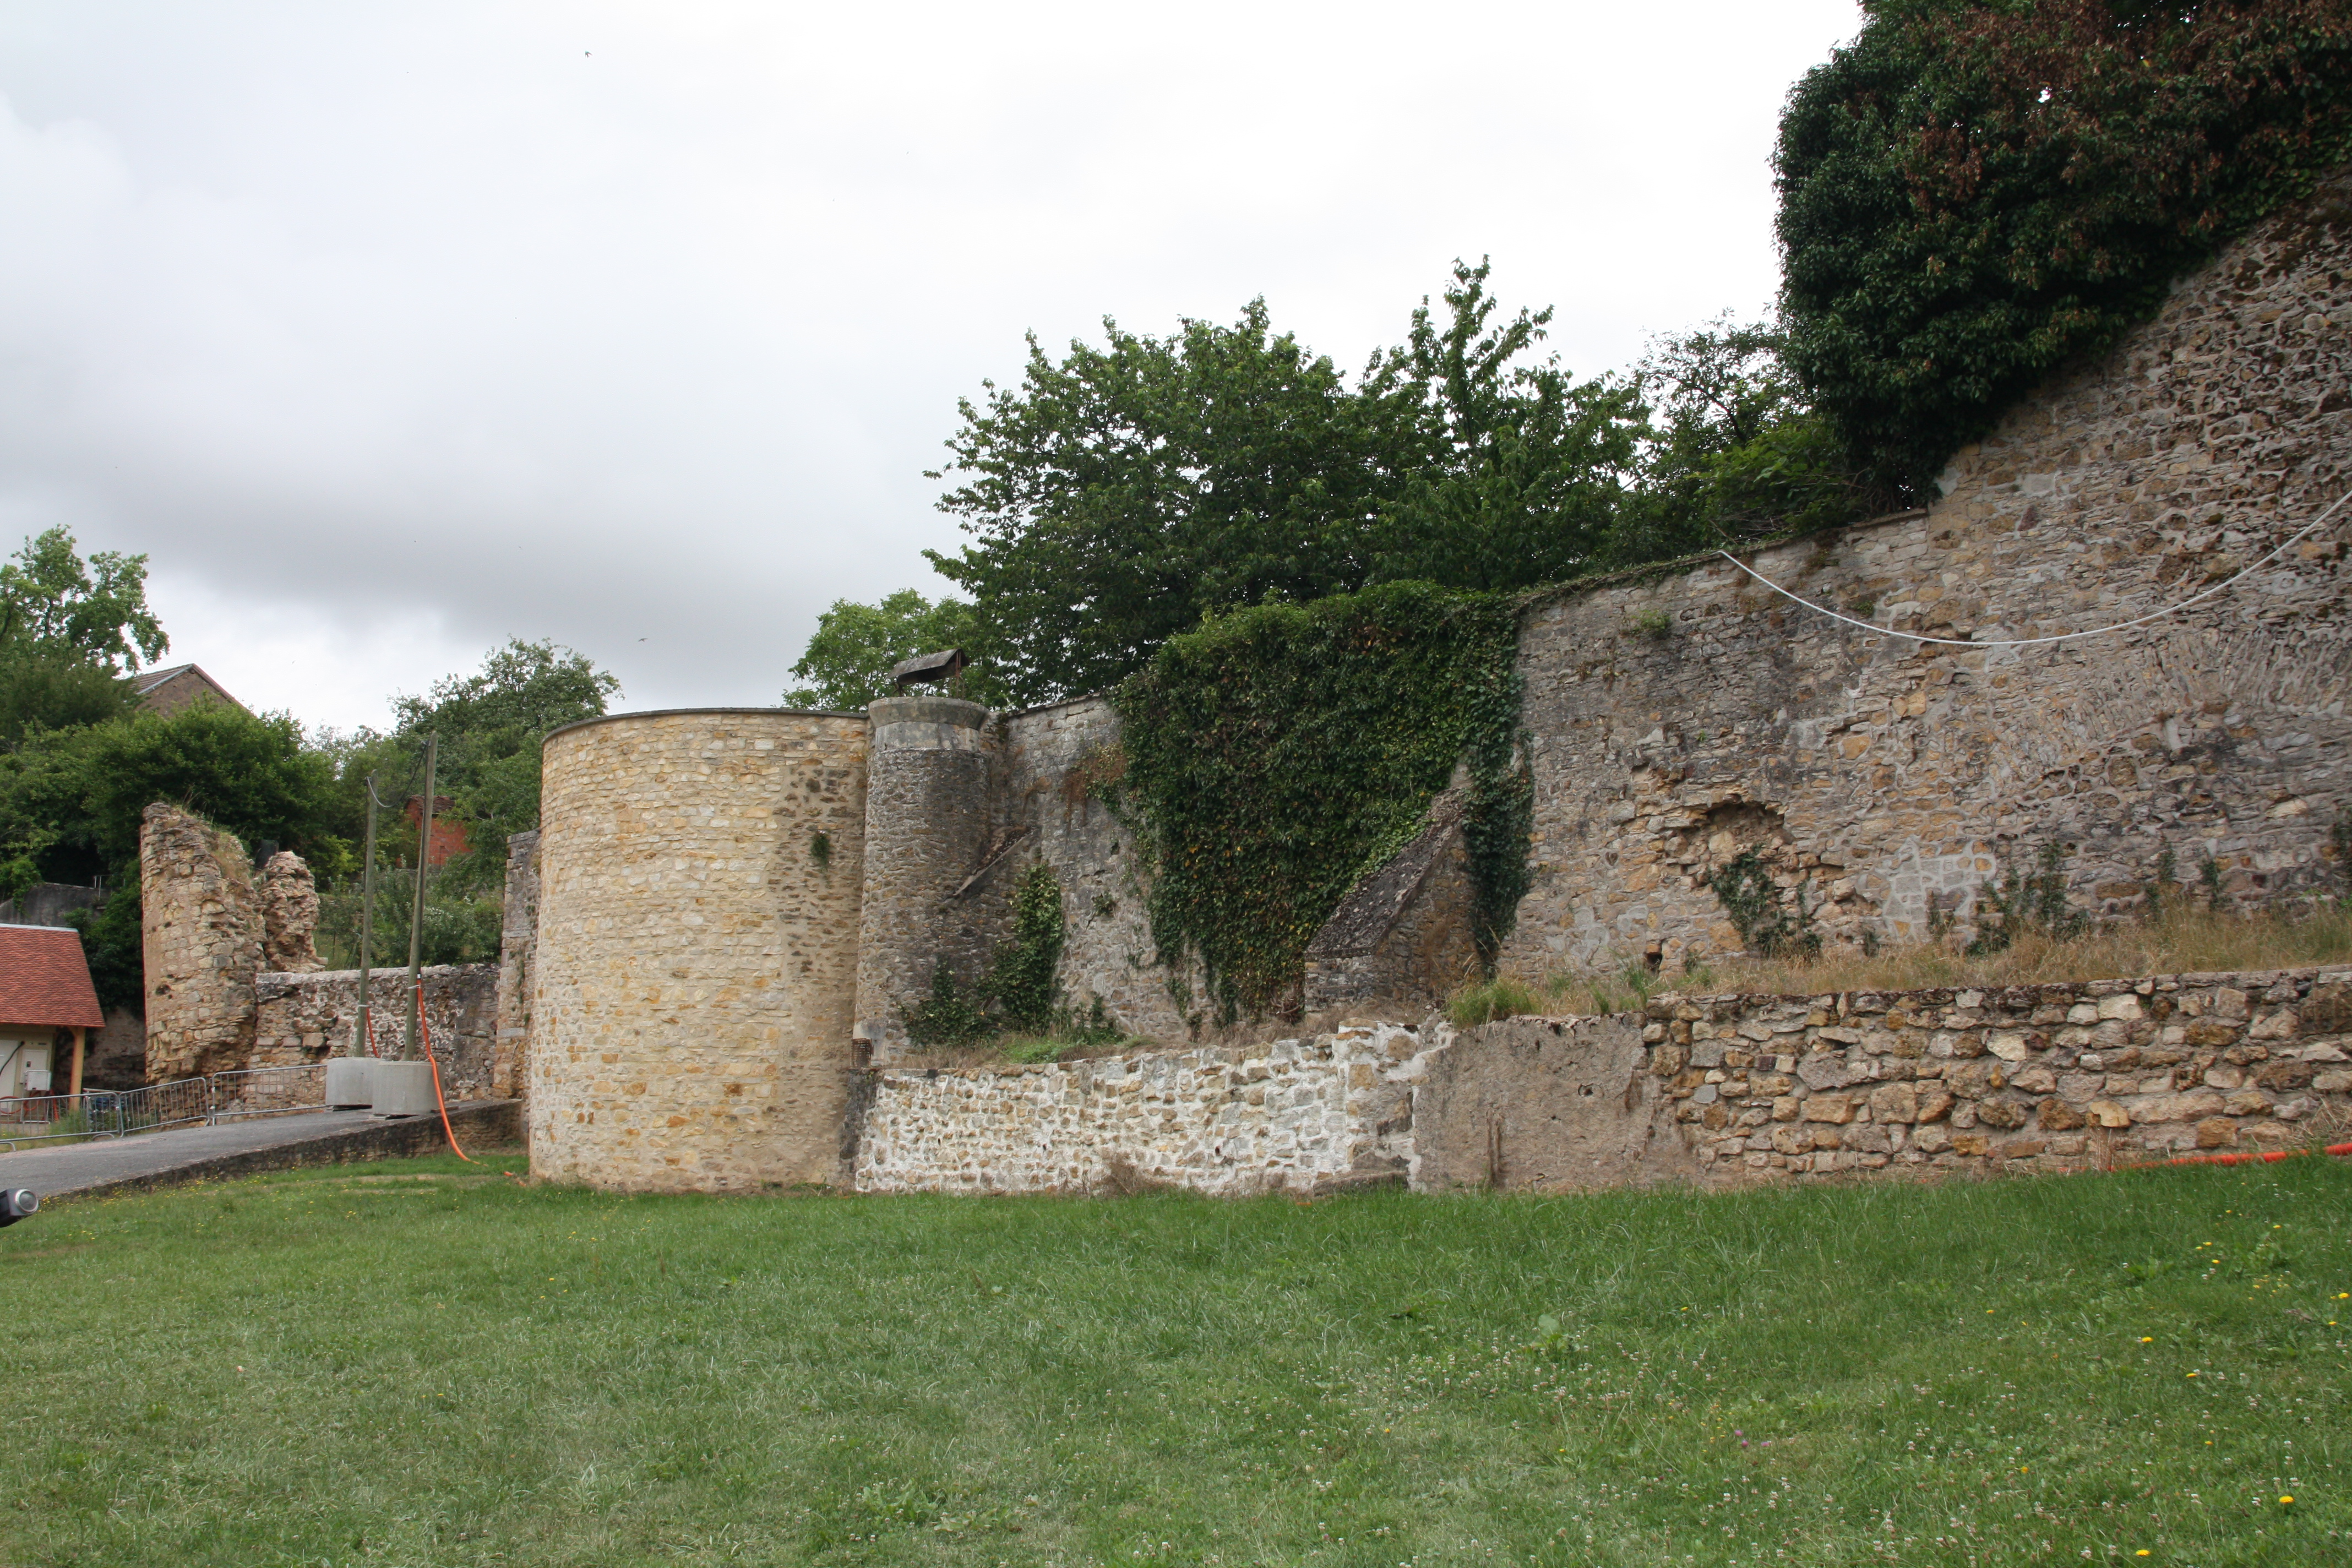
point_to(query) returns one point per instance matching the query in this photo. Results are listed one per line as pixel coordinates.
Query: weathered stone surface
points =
(201, 941)
(517, 950)
(300, 1018)
(697, 960)
(1879, 776)
(289, 914)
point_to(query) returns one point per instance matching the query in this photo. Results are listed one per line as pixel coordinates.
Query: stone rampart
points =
(300, 1018)
(1712, 1092)
(1298, 1115)
(517, 952)
(1680, 717)
(926, 843)
(201, 943)
(697, 958)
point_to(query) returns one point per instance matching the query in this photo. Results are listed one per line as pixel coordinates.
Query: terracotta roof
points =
(45, 979)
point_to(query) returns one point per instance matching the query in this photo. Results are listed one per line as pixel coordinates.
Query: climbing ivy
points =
(1280, 752)
(1021, 974)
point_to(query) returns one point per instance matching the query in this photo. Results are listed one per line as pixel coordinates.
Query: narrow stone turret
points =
(926, 829)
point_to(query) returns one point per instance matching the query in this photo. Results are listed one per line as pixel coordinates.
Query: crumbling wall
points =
(517, 950)
(289, 914)
(1404, 932)
(200, 942)
(1680, 717)
(1058, 766)
(304, 1018)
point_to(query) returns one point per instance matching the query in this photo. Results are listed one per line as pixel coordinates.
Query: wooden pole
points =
(362, 1030)
(417, 915)
(78, 1031)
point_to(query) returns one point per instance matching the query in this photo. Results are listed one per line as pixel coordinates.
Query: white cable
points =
(2030, 642)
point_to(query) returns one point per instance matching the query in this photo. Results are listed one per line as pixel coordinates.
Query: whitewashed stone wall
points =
(1296, 1116)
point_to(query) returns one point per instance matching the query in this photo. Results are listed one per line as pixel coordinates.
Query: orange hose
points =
(2270, 1158)
(425, 1029)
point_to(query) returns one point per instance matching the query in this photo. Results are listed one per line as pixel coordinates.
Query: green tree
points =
(490, 725)
(846, 664)
(1976, 191)
(1118, 496)
(1733, 450)
(94, 609)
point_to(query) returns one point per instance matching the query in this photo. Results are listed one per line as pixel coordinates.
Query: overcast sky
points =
(390, 331)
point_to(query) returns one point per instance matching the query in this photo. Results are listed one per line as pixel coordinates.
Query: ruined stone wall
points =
(517, 950)
(1711, 1091)
(201, 943)
(697, 961)
(1404, 932)
(300, 1019)
(2057, 1076)
(1298, 1115)
(288, 899)
(1056, 764)
(1680, 717)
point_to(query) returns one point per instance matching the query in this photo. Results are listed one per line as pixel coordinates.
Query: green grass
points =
(364, 1366)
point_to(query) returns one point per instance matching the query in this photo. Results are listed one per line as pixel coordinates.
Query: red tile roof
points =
(45, 979)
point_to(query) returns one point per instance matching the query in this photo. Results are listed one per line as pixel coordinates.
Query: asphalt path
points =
(58, 1169)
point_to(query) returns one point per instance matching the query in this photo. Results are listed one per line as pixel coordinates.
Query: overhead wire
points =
(2300, 534)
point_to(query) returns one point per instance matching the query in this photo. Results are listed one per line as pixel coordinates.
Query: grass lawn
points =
(417, 1363)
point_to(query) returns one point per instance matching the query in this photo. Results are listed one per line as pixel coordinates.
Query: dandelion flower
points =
(2286, 1499)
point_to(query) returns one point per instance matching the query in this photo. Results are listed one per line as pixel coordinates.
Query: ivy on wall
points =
(1279, 753)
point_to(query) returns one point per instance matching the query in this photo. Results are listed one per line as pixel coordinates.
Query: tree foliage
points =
(1276, 754)
(1976, 191)
(846, 664)
(1121, 494)
(94, 610)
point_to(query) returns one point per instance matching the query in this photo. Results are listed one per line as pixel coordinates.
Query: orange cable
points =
(425, 1029)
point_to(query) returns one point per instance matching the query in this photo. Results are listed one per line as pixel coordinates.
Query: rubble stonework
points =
(1298, 1115)
(2050, 1077)
(1886, 778)
(1712, 1092)
(697, 961)
(518, 945)
(289, 914)
(300, 1018)
(200, 941)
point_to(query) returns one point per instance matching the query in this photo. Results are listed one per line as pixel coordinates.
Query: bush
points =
(1976, 191)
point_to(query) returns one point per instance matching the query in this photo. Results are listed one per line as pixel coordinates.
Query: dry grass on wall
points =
(2182, 941)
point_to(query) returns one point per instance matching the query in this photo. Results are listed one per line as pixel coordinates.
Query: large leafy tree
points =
(490, 725)
(848, 662)
(69, 629)
(1121, 494)
(1976, 191)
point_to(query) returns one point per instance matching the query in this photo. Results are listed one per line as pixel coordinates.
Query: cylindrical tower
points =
(697, 963)
(926, 827)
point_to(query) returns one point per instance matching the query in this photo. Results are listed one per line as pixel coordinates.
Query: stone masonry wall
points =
(518, 948)
(200, 942)
(2055, 1077)
(1293, 1116)
(1712, 1092)
(1680, 717)
(697, 959)
(1050, 809)
(300, 1018)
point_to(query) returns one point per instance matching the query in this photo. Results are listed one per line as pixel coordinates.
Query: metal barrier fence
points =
(188, 1102)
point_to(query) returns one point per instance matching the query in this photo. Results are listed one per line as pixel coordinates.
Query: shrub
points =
(1751, 902)
(1976, 191)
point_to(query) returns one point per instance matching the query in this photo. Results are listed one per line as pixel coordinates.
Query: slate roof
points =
(45, 979)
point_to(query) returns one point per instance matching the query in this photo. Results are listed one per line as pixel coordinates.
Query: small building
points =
(177, 685)
(46, 999)
(449, 837)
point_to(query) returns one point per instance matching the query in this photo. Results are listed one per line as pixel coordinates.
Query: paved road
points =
(260, 1143)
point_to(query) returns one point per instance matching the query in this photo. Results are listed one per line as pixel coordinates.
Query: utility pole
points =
(408, 1052)
(363, 1033)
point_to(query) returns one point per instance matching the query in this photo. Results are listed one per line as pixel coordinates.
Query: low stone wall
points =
(2056, 1077)
(303, 1019)
(1298, 1115)
(1716, 1091)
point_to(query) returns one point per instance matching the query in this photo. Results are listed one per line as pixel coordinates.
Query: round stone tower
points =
(697, 962)
(926, 830)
